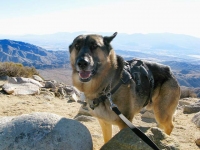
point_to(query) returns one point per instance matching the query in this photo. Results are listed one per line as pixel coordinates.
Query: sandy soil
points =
(185, 131)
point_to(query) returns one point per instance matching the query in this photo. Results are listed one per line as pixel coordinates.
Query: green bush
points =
(16, 70)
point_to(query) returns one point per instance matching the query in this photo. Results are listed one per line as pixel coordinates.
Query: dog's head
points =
(89, 54)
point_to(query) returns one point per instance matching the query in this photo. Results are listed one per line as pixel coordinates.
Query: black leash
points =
(137, 131)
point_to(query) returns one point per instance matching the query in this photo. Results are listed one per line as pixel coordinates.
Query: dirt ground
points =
(185, 131)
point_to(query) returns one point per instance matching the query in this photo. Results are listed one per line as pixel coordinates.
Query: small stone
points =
(38, 78)
(49, 84)
(148, 114)
(196, 119)
(193, 108)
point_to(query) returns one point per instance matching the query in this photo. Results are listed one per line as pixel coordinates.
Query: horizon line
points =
(93, 32)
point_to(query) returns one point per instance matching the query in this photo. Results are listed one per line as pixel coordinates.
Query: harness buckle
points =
(112, 105)
(94, 104)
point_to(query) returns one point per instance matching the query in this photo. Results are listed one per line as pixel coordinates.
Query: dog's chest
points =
(104, 112)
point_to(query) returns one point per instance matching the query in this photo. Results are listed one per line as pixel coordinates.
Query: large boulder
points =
(21, 89)
(43, 131)
(127, 140)
(22, 86)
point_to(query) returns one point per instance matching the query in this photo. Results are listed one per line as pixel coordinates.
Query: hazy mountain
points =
(186, 73)
(57, 41)
(31, 55)
(161, 46)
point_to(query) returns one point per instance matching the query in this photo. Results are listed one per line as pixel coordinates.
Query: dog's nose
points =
(83, 63)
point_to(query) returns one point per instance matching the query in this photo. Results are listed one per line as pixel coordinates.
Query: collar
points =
(126, 76)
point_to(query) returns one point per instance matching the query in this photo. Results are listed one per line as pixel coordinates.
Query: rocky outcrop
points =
(22, 86)
(20, 80)
(62, 90)
(40, 131)
(50, 89)
(21, 89)
(127, 140)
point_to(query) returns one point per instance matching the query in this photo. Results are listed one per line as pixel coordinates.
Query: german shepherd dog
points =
(96, 69)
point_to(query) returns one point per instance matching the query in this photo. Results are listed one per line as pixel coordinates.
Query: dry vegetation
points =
(16, 70)
(187, 92)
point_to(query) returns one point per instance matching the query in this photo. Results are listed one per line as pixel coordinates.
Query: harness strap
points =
(137, 131)
(125, 78)
(137, 67)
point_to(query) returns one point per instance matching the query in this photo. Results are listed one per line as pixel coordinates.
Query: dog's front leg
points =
(106, 129)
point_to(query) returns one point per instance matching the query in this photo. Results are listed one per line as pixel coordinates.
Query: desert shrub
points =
(16, 70)
(197, 91)
(187, 92)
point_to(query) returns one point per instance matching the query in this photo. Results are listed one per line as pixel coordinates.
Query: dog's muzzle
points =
(85, 69)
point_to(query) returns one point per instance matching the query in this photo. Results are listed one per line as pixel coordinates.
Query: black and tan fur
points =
(96, 66)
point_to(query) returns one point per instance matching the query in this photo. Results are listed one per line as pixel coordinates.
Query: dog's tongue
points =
(84, 74)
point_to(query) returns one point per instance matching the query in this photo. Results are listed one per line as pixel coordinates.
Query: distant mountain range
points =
(31, 55)
(159, 46)
(180, 52)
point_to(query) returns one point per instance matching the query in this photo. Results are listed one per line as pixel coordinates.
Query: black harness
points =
(140, 73)
(143, 78)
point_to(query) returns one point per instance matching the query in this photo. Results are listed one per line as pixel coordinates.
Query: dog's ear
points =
(70, 46)
(108, 39)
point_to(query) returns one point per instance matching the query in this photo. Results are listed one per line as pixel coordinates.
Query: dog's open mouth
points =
(86, 76)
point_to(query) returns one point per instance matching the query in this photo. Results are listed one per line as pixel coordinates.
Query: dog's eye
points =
(93, 46)
(77, 46)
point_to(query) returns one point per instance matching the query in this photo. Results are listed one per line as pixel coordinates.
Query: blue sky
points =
(19, 17)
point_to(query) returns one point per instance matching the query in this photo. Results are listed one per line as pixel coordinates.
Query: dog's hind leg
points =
(165, 105)
(106, 129)
(165, 123)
